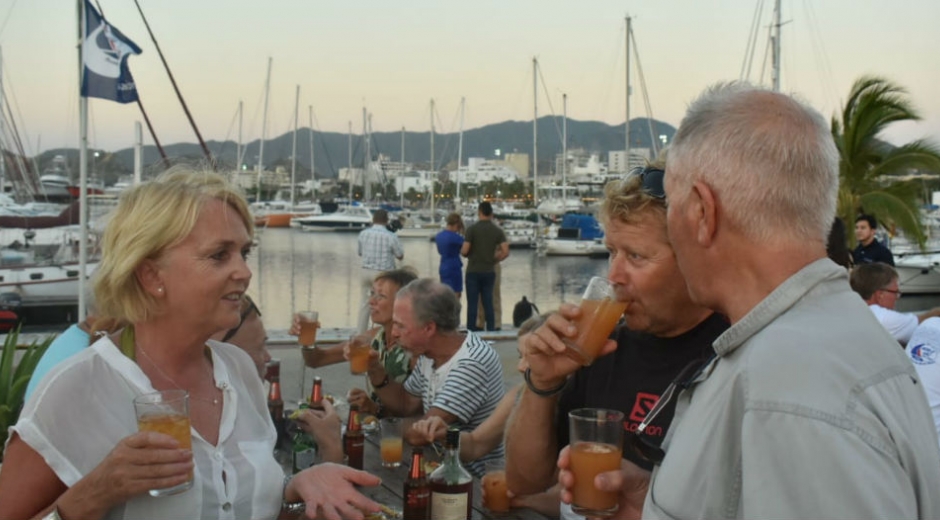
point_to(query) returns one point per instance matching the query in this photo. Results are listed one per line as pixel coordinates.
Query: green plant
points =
(13, 379)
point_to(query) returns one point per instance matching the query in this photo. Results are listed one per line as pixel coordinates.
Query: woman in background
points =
(449, 241)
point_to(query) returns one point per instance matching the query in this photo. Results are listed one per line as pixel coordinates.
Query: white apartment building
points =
(638, 157)
(479, 170)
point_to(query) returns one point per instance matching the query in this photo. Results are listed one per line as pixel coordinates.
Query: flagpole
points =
(82, 168)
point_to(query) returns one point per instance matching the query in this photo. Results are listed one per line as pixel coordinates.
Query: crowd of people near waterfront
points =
(754, 380)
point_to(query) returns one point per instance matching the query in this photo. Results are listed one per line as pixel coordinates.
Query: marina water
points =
(294, 271)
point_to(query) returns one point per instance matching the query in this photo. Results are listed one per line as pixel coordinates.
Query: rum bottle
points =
(417, 493)
(354, 439)
(451, 485)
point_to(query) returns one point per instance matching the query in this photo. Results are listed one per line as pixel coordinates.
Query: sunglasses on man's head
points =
(651, 181)
(241, 321)
(635, 441)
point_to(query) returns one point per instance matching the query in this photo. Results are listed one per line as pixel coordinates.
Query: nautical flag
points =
(104, 54)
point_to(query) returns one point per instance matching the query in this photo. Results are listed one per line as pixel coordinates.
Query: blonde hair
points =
(625, 200)
(149, 219)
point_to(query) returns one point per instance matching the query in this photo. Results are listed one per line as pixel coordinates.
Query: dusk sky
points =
(393, 57)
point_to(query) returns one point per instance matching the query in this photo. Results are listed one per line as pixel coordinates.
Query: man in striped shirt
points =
(378, 248)
(458, 376)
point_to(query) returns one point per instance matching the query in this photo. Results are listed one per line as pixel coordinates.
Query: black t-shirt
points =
(631, 378)
(874, 252)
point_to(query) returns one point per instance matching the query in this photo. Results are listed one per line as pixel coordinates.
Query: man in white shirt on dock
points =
(877, 284)
(378, 248)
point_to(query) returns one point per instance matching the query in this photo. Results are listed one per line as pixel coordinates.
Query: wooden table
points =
(393, 479)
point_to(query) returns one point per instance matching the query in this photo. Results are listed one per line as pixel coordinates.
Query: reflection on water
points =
(324, 276)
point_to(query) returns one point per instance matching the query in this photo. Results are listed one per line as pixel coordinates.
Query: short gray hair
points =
(433, 302)
(770, 159)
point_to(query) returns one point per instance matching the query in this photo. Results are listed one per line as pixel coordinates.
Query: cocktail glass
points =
(596, 447)
(600, 312)
(166, 412)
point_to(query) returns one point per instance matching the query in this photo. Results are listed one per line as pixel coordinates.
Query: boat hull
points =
(918, 274)
(568, 247)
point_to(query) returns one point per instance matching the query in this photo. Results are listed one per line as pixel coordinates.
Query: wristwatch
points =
(382, 384)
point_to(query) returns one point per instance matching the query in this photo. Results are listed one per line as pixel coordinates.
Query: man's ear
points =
(703, 207)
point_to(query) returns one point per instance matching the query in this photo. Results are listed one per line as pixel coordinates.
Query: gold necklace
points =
(214, 401)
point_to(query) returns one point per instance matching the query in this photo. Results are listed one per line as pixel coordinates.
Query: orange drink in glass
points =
(600, 312)
(359, 350)
(495, 491)
(596, 440)
(166, 412)
(309, 323)
(391, 443)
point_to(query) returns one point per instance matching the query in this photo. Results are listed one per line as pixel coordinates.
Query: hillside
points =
(331, 148)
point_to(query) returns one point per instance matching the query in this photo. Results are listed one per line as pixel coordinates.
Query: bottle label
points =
(449, 506)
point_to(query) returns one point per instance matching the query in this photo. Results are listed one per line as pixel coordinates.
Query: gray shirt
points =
(810, 410)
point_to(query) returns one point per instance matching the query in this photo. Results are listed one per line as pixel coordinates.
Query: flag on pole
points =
(104, 60)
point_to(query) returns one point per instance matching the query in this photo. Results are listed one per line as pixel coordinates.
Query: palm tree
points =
(868, 167)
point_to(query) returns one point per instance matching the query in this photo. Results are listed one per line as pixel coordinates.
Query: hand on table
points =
(328, 492)
(431, 429)
(631, 482)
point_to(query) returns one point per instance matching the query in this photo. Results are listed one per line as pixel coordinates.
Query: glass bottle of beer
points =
(354, 439)
(451, 484)
(275, 401)
(417, 493)
(316, 395)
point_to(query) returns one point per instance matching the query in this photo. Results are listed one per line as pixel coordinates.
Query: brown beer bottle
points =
(275, 401)
(451, 484)
(316, 395)
(354, 439)
(417, 493)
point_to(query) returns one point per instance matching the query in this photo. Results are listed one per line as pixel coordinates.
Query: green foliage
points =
(13, 379)
(869, 167)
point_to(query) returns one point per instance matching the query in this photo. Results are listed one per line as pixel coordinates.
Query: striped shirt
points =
(379, 248)
(469, 385)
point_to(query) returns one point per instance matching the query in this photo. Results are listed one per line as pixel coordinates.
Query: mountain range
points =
(331, 149)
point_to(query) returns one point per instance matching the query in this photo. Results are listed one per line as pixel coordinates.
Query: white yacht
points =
(346, 218)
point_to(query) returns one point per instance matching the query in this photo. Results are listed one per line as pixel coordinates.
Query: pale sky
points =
(393, 57)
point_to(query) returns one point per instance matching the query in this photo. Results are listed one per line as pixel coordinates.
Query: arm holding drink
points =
(631, 483)
(324, 425)
(531, 444)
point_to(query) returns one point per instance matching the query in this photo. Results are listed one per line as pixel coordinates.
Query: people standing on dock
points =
(869, 249)
(877, 284)
(484, 246)
(173, 271)
(389, 360)
(457, 377)
(449, 242)
(663, 331)
(808, 410)
(378, 248)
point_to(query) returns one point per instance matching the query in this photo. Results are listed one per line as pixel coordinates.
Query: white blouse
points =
(84, 407)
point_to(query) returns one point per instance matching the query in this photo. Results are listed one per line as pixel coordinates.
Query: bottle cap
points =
(453, 437)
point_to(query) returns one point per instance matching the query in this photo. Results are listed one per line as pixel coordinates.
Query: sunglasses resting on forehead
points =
(651, 180)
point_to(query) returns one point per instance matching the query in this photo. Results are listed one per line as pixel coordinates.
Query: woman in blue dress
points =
(449, 242)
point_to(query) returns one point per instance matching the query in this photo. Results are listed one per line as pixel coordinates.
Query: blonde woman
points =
(173, 272)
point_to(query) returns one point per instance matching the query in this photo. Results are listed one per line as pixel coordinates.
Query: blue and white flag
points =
(104, 52)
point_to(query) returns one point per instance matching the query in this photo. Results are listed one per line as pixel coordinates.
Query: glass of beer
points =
(309, 323)
(166, 412)
(391, 442)
(359, 350)
(600, 312)
(495, 491)
(596, 447)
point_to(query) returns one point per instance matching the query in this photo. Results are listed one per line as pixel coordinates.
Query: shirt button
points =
(227, 506)
(218, 455)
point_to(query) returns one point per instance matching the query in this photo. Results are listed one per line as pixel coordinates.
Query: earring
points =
(160, 290)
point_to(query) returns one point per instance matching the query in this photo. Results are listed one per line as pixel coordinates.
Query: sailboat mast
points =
(433, 171)
(293, 151)
(626, 157)
(564, 151)
(82, 169)
(313, 176)
(349, 163)
(401, 171)
(264, 128)
(459, 154)
(535, 132)
(3, 160)
(365, 156)
(239, 151)
(776, 47)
